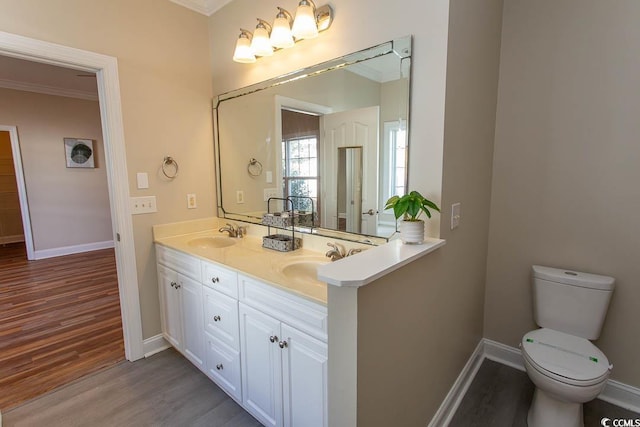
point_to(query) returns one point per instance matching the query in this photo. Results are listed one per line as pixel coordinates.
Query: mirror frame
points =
(401, 47)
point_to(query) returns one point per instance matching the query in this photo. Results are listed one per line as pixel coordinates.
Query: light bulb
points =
(261, 45)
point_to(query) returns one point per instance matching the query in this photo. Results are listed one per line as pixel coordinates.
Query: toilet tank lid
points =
(585, 280)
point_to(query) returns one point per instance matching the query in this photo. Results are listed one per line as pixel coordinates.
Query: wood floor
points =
(59, 320)
(499, 396)
(162, 390)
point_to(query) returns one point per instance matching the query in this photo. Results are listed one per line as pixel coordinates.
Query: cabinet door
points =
(221, 317)
(261, 365)
(304, 366)
(223, 366)
(170, 306)
(193, 323)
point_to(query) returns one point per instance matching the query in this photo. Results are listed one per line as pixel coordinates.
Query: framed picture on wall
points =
(79, 153)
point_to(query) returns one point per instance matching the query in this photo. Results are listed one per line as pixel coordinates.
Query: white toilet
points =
(566, 368)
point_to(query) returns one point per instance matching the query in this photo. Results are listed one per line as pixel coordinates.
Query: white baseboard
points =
(154, 345)
(75, 249)
(459, 389)
(615, 392)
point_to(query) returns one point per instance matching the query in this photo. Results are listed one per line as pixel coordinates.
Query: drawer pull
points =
(219, 367)
(216, 318)
(283, 344)
(273, 338)
(215, 279)
(174, 284)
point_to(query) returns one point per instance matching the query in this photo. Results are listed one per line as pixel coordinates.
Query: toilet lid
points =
(568, 356)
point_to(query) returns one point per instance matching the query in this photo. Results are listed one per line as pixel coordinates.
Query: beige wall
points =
(565, 186)
(418, 326)
(67, 206)
(164, 71)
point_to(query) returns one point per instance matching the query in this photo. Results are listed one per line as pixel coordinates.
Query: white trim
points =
(48, 90)
(451, 402)
(205, 7)
(22, 189)
(615, 392)
(106, 69)
(154, 345)
(75, 249)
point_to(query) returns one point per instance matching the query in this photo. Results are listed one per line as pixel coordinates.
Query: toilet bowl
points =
(567, 372)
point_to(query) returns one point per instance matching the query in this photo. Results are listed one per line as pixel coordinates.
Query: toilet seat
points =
(566, 358)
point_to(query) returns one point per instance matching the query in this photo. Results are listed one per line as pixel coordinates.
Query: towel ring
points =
(169, 167)
(254, 167)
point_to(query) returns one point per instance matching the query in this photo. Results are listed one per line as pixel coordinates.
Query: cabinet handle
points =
(216, 318)
(215, 279)
(219, 367)
(173, 284)
(178, 286)
(273, 338)
(283, 344)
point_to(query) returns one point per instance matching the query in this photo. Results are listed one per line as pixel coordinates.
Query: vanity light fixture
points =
(243, 52)
(261, 45)
(281, 37)
(308, 22)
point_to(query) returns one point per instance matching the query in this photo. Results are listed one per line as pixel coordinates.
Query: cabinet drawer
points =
(298, 312)
(182, 263)
(223, 366)
(221, 317)
(220, 279)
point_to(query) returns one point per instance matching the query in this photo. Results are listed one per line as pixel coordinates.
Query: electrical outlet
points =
(269, 193)
(455, 215)
(191, 201)
(239, 197)
(143, 205)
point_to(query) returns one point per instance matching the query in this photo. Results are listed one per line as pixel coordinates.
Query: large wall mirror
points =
(333, 138)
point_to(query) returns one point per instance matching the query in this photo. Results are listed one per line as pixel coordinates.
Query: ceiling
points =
(205, 7)
(32, 76)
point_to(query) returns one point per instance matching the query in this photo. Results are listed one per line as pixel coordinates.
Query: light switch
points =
(143, 180)
(143, 205)
(455, 215)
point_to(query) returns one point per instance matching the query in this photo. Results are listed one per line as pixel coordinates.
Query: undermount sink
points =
(213, 242)
(302, 268)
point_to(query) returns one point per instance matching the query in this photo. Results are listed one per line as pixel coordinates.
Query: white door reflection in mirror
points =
(354, 128)
(393, 164)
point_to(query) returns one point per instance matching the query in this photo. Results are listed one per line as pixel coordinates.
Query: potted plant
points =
(409, 207)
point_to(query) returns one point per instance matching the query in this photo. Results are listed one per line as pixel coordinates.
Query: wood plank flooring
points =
(162, 390)
(59, 320)
(500, 396)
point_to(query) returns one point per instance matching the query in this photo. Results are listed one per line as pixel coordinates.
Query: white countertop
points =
(247, 256)
(369, 265)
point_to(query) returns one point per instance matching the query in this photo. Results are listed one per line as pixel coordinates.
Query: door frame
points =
(22, 189)
(106, 69)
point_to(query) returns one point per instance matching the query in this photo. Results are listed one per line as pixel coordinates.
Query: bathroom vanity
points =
(256, 321)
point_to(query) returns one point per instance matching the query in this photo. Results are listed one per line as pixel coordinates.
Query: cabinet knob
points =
(178, 286)
(219, 367)
(273, 338)
(215, 279)
(173, 284)
(216, 318)
(283, 344)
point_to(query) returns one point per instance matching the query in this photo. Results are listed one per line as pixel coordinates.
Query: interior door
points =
(353, 128)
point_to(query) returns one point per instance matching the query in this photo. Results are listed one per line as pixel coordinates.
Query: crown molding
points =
(205, 7)
(48, 90)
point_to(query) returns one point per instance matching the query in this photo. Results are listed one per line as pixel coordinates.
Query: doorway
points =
(106, 70)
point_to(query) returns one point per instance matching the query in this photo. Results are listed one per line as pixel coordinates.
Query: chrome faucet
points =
(234, 230)
(338, 252)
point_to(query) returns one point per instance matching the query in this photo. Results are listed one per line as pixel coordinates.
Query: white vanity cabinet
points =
(284, 356)
(222, 333)
(181, 303)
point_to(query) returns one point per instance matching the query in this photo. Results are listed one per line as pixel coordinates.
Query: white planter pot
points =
(412, 232)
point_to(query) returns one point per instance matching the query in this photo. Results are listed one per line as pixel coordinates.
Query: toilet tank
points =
(571, 302)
